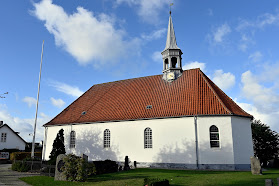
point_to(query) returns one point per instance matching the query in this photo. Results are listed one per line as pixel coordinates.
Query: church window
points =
(173, 62)
(147, 138)
(72, 139)
(3, 137)
(107, 138)
(214, 137)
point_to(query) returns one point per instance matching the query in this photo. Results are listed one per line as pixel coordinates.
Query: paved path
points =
(9, 177)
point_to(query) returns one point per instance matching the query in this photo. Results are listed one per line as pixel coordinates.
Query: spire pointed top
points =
(171, 40)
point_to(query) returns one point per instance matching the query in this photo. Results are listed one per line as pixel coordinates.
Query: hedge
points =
(24, 155)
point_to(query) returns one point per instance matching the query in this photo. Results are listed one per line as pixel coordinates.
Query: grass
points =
(176, 177)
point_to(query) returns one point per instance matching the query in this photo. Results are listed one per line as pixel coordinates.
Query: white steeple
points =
(171, 40)
(172, 66)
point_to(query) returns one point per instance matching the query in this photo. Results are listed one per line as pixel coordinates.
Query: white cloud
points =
(194, 64)
(223, 80)
(148, 10)
(157, 57)
(245, 42)
(265, 99)
(57, 102)
(30, 101)
(256, 56)
(270, 119)
(67, 89)
(261, 90)
(87, 37)
(24, 125)
(221, 32)
(261, 21)
(155, 34)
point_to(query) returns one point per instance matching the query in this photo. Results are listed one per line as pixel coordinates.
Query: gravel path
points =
(9, 177)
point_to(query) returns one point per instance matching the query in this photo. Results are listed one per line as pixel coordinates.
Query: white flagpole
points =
(38, 95)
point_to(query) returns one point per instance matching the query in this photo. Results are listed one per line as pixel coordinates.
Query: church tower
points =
(172, 66)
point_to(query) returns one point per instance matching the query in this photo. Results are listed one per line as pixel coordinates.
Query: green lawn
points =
(176, 177)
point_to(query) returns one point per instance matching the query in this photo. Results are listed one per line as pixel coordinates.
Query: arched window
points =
(72, 139)
(147, 138)
(214, 137)
(173, 62)
(106, 138)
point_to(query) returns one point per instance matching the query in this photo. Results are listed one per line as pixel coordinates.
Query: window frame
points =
(107, 138)
(212, 133)
(72, 139)
(4, 137)
(148, 138)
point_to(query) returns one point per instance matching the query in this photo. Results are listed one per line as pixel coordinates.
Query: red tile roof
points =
(191, 94)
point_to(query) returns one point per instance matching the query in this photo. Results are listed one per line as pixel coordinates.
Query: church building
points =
(178, 119)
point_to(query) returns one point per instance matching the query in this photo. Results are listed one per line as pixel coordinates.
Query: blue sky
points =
(87, 42)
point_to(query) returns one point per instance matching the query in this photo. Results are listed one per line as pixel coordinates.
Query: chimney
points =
(1, 123)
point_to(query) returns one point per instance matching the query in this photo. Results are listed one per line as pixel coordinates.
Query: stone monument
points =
(85, 157)
(59, 175)
(255, 166)
(126, 165)
(268, 182)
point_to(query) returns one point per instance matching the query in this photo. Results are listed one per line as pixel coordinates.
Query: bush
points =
(20, 166)
(155, 182)
(107, 166)
(76, 169)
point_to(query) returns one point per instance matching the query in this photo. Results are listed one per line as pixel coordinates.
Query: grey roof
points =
(171, 40)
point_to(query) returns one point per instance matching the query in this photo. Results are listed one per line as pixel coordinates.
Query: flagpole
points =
(38, 95)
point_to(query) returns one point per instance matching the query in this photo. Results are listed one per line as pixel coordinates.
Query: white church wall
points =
(173, 140)
(242, 140)
(12, 140)
(221, 155)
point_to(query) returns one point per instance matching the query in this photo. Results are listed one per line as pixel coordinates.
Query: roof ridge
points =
(214, 92)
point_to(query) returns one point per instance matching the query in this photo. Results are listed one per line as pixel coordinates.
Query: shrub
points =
(76, 169)
(106, 166)
(155, 182)
(20, 166)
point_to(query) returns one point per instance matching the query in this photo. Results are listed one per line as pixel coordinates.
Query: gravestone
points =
(59, 175)
(126, 165)
(85, 157)
(255, 166)
(268, 182)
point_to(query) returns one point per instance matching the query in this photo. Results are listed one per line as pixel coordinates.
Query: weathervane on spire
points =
(170, 7)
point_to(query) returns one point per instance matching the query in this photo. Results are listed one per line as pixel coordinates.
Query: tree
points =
(58, 146)
(265, 141)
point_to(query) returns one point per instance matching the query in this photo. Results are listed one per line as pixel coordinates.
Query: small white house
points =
(179, 119)
(10, 139)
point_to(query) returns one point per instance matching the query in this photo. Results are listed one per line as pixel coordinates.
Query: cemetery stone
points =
(59, 175)
(255, 166)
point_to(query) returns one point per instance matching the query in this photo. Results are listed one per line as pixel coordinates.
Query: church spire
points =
(171, 56)
(171, 40)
